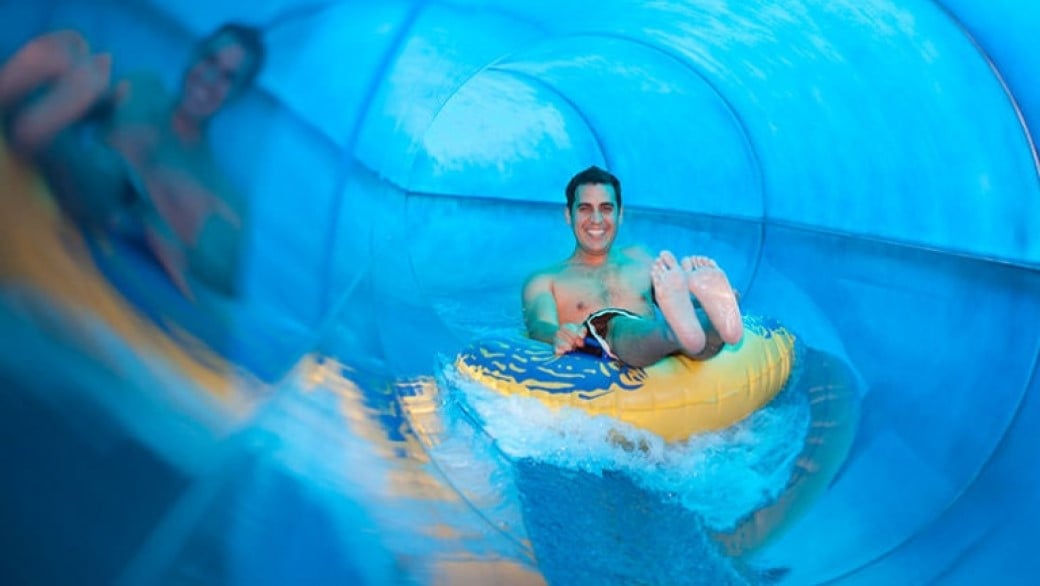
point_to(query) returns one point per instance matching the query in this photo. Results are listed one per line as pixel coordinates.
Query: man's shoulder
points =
(547, 273)
(636, 253)
(632, 257)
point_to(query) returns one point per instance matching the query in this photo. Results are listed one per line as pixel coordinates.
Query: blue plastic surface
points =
(863, 169)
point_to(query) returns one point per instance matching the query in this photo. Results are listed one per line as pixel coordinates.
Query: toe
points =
(668, 259)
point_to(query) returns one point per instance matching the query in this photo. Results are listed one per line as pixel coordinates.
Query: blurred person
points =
(132, 157)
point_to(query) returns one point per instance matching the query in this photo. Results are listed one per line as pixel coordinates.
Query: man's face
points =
(210, 81)
(594, 217)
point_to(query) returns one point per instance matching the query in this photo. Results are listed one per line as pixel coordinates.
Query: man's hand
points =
(568, 337)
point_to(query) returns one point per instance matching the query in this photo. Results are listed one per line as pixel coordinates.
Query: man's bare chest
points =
(582, 291)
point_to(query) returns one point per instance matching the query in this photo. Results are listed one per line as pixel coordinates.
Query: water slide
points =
(864, 170)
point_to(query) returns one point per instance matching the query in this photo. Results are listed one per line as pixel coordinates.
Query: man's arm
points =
(542, 319)
(540, 315)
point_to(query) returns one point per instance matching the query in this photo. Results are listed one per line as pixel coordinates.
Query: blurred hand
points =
(568, 337)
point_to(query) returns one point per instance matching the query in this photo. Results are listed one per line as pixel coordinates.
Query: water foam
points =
(723, 476)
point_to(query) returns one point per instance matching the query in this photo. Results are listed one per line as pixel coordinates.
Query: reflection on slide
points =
(864, 170)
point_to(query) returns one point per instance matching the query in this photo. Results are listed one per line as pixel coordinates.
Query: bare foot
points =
(39, 61)
(72, 95)
(673, 297)
(709, 285)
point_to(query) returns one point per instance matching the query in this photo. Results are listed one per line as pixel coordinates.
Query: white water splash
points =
(723, 476)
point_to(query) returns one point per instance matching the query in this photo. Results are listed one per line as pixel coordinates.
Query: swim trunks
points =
(596, 325)
(596, 340)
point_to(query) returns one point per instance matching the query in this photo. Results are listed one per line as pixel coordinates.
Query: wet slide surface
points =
(863, 170)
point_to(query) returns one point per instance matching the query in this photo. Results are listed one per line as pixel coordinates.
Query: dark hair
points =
(249, 38)
(593, 175)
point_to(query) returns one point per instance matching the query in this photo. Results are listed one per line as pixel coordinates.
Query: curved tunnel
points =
(863, 170)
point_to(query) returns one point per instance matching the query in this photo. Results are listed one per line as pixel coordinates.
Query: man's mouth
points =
(598, 233)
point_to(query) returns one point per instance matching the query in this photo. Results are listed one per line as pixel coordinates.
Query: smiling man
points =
(198, 217)
(624, 303)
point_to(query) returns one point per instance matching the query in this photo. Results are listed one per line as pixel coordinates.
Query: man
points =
(635, 308)
(134, 158)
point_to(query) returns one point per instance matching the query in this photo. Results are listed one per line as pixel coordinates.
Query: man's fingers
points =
(562, 347)
(567, 339)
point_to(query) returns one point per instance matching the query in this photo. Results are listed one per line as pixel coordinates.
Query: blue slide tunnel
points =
(864, 170)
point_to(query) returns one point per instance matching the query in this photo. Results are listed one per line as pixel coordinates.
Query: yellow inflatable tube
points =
(674, 398)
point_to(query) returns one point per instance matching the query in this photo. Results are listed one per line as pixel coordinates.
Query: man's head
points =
(594, 209)
(592, 175)
(224, 64)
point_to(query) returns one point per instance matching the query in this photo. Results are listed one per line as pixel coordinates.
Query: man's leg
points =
(641, 342)
(49, 84)
(39, 61)
(46, 87)
(684, 328)
(64, 102)
(709, 285)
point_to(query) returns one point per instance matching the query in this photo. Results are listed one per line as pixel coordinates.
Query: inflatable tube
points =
(674, 398)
